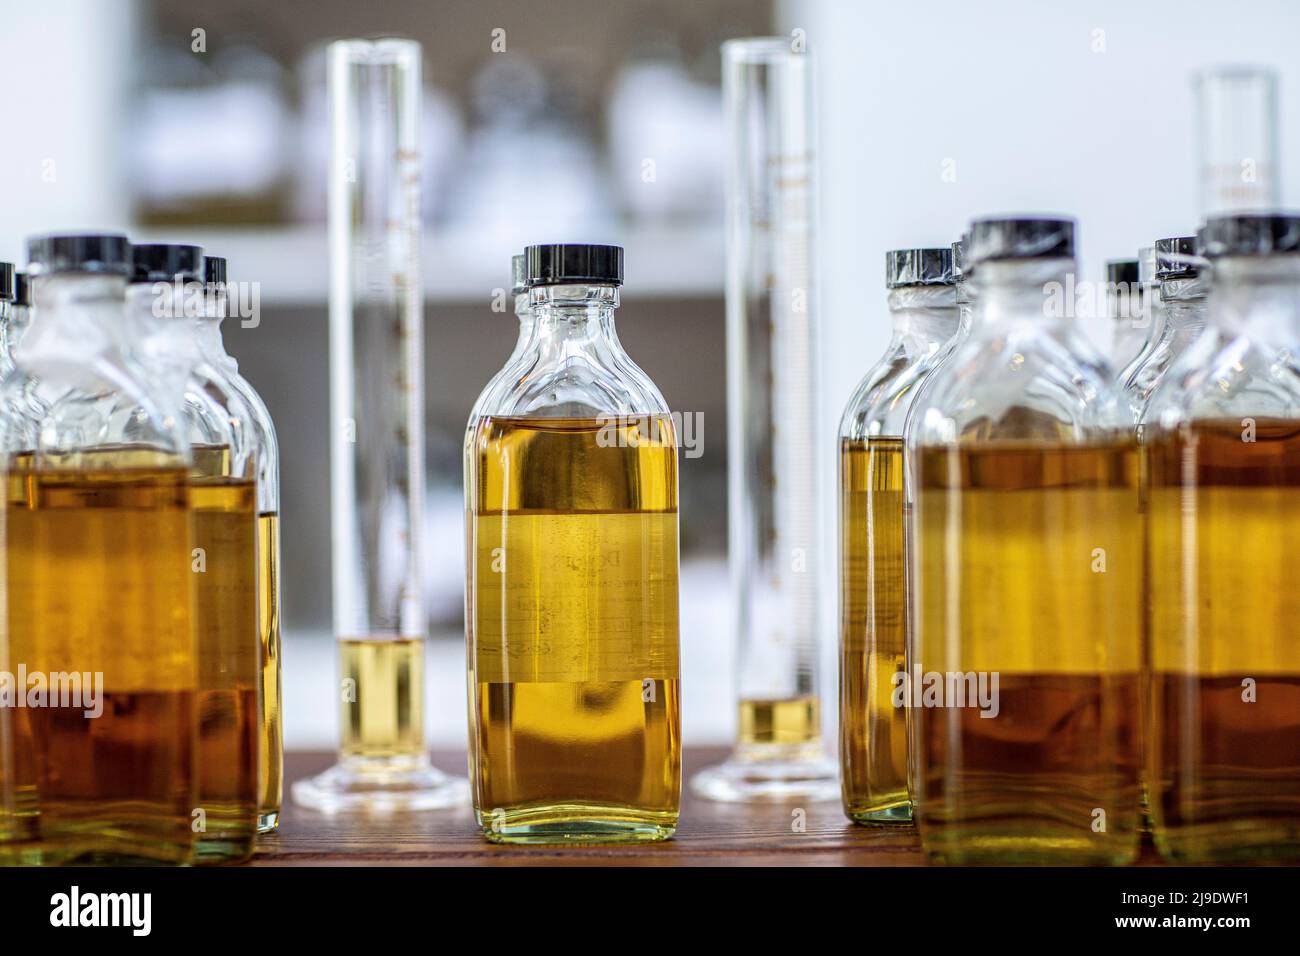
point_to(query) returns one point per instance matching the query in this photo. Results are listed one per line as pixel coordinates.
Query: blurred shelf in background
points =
(582, 122)
(462, 266)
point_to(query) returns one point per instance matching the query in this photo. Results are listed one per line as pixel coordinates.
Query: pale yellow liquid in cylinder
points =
(788, 721)
(383, 697)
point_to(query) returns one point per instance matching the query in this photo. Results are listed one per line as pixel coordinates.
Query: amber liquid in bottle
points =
(225, 578)
(873, 631)
(98, 582)
(1029, 568)
(270, 728)
(1224, 760)
(573, 677)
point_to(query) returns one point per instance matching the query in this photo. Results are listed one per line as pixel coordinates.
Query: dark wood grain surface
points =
(708, 834)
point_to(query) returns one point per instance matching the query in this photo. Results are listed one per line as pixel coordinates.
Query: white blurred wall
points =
(64, 70)
(1011, 92)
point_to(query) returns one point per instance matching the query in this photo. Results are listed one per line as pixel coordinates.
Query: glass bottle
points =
(1130, 330)
(166, 303)
(1223, 459)
(98, 578)
(1182, 287)
(220, 366)
(1023, 677)
(572, 604)
(873, 608)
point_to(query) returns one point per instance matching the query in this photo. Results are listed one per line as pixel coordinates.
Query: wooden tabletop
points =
(708, 834)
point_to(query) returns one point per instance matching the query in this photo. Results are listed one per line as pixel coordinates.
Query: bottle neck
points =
(208, 335)
(20, 316)
(77, 334)
(62, 297)
(208, 330)
(163, 320)
(1029, 290)
(965, 303)
(81, 308)
(1256, 296)
(1184, 306)
(924, 318)
(573, 316)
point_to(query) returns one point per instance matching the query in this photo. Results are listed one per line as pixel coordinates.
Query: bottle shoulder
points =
(68, 420)
(256, 405)
(1226, 376)
(880, 402)
(1024, 381)
(576, 385)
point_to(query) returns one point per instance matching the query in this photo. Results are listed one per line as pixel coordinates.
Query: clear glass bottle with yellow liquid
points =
(1222, 440)
(1023, 676)
(873, 510)
(166, 304)
(221, 367)
(572, 593)
(98, 581)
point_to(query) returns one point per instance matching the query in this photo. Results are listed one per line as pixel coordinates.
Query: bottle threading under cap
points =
(98, 501)
(1222, 446)
(571, 592)
(1027, 577)
(924, 316)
